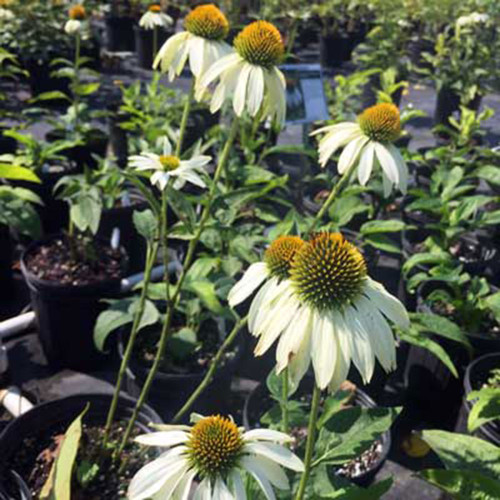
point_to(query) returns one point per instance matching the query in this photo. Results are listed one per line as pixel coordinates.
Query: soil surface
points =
(53, 262)
(36, 456)
(364, 463)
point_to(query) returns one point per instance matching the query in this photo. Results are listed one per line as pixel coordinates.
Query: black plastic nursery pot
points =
(121, 218)
(35, 427)
(337, 49)
(258, 402)
(120, 34)
(144, 40)
(40, 80)
(66, 314)
(448, 102)
(171, 390)
(96, 142)
(476, 376)
(6, 278)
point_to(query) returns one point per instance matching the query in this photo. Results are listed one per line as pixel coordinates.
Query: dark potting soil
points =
(36, 456)
(467, 252)
(53, 262)
(364, 463)
(196, 361)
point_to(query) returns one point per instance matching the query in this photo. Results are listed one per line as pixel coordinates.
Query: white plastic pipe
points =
(18, 324)
(14, 402)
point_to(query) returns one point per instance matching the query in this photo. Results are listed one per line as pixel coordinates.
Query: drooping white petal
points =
(196, 55)
(255, 90)
(387, 303)
(328, 129)
(151, 478)
(387, 162)
(300, 361)
(379, 331)
(167, 147)
(323, 349)
(170, 487)
(402, 168)
(161, 179)
(256, 308)
(221, 491)
(238, 485)
(361, 349)
(329, 145)
(189, 175)
(163, 438)
(255, 469)
(204, 490)
(351, 153)
(169, 49)
(240, 93)
(216, 70)
(276, 322)
(184, 488)
(365, 166)
(276, 453)
(341, 368)
(251, 280)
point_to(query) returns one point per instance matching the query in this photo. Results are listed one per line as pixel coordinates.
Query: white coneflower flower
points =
(249, 77)
(6, 15)
(215, 452)
(331, 313)
(473, 18)
(202, 43)
(168, 166)
(155, 18)
(368, 142)
(76, 15)
(273, 270)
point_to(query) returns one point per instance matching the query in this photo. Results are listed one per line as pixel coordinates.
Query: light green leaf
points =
(14, 172)
(146, 224)
(58, 485)
(463, 484)
(458, 451)
(486, 407)
(382, 226)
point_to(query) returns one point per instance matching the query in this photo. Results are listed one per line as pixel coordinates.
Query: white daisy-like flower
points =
(473, 18)
(215, 452)
(155, 18)
(273, 270)
(76, 15)
(202, 43)
(368, 142)
(249, 76)
(331, 313)
(168, 166)
(6, 14)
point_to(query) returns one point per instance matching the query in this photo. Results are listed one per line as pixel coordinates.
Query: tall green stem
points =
(331, 198)
(152, 252)
(211, 371)
(284, 397)
(311, 440)
(184, 121)
(76, 79)
(165, 334)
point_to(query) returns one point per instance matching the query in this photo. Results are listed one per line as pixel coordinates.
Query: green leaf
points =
(458, 451)
(86, 88)
(120, 313)
(486, 407)
(463, 484)
(58, 485)
(87, 472)
(14, 172)
(489, 173)
(333, 405)
(274, 385)
(205, 290)
(413, 336)
(146, 224)
(86, 212)
(420, 259)
(443, 327)
(50, 96)
(351, 432)
(493, 303)
(382, 242)
(382, 226)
